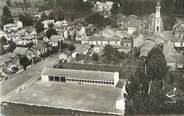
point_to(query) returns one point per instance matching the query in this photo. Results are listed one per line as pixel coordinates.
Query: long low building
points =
(80, 76)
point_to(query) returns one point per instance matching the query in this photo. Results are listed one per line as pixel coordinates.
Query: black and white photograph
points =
(91, 57)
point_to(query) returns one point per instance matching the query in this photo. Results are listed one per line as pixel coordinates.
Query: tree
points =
(8, 3)
(11, 47)
(6, 17)
(169, 22)
(98, 20)
(6, 12)
(138, 100)
(108, 52)
(26, 19)
(115, 8)
(2, 50)
(59, 14)
(51, 31)
(156, 66)
(95, 57)
(44, 16)
(71, 47)
(24, 61)
(39, 27)
(3, 41)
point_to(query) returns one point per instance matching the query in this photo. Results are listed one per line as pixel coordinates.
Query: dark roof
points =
(85, 74)
(38, 46)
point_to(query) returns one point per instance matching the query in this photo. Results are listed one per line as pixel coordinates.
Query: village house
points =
(10, 27)
(9, 62)
(47, 22)
(127, 43)
(22, 32)
(178, 43)
(131, 23)
(12, 37)
(179, 28)
(82, 49)
(179, 31)
(54, 39)
(65, 56)
(29, 39)
(108, 36)
(102, 41)
(179, 61)
(62, 23)
(39, 49)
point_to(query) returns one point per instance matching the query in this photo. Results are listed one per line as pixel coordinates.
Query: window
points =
(51, 78)
(62, 79)
(56, 78)
(158, 29)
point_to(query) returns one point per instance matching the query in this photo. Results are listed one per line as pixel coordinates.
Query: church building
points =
(155, 20)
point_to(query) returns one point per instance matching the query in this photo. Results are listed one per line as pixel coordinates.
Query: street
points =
(20, 78)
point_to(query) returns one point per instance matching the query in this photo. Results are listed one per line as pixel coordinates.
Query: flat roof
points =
(87, 98)
(103, 38)
(84, 74)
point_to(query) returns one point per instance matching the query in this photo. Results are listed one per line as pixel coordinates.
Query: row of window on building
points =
(63, 79)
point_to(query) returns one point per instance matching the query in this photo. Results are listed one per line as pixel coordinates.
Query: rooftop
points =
(10, 25)
(55, 38)
(88, 98)
(20, 50)
(28, 37)
(38, 46)
(85, 74)
(6, 57)
(12, 35)
(102, 38)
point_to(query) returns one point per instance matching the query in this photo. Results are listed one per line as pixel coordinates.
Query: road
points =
(20, 78)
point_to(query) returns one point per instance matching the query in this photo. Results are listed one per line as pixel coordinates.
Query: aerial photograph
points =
(91, 57)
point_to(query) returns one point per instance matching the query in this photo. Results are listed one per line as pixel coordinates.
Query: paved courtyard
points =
(88, 98)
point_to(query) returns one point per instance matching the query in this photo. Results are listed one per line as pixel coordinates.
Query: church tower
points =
(158, 18)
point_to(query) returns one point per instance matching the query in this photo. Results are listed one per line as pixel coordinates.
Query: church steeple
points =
(158, 18)
(158, 7)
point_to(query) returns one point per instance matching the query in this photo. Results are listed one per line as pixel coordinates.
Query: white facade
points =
(63, 23)
(158, 18)
(10, 27)
(102, 43)
(19, 24)
(81, 77)
(131, 30)
(47, 22)
(137, 42)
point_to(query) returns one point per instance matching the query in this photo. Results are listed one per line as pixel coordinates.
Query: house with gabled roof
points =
(9, 61)
(39, 49)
